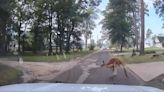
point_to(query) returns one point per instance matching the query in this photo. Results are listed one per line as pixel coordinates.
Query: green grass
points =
(140, 59)
(9, 75)
(55, 58)
(154, 49)
(156, 85)
(146, 49)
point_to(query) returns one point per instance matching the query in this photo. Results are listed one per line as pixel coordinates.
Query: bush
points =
(91, 47)
(150, 52)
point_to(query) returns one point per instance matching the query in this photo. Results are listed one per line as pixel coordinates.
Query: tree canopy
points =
(46, 24)
(118, 21)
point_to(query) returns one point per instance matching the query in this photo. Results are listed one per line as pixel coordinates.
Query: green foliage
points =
(47, 24)
(149, 33)
(4, 19)
(150, 52)
(118, 22)
(159, 6)
(92, 45)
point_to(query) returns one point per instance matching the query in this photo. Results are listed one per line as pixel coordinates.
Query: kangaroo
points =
(113, 63)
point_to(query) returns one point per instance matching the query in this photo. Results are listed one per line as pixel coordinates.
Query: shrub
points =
(150, 52)
(92, 47)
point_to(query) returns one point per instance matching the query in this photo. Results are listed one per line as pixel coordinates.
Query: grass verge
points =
(9, 75)
(156, 85)
(129, 50)
(56, 58)
(141, 59)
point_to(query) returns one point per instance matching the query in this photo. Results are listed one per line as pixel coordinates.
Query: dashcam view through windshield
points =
(111, 42)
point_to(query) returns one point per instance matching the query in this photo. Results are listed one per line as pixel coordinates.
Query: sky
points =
(152, 21)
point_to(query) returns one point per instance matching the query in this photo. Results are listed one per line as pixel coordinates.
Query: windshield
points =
(112, 42)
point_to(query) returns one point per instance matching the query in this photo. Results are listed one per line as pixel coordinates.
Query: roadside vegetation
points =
(129, 50)
(9, 75)
(56, 58)
(156, 85)
(141, 59)
(151, 55)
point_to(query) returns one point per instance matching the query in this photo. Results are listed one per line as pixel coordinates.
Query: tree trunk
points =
(68, 43)
(57, 43)
(61, 31)
(50, 31)
(69, 37)
(2, 42)
(19, 38)
(86, 41)
(50, 37)
(137, 41)
(35, 41)
(23, 39)
(23, 44)
(142, 45)
(136, 33)
(50, 41)
(121, 47)
(61, 40)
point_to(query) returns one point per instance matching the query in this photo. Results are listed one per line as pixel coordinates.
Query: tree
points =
(149, 33)
(44, 24)
(159, 6)
(100, 43)
(118, 22)
(142, 46)
(134, 4)
(88, 24)
(38, 28)
(154, 37)
(20, 18)
(5, 7)
(92, 45)
(71, 18)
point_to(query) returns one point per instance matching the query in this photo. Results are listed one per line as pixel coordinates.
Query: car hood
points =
(60, 87)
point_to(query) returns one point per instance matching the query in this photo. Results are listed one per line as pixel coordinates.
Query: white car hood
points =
(59, 87)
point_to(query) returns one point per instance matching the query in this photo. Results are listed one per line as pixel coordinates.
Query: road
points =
(89, 71)
(86, 70)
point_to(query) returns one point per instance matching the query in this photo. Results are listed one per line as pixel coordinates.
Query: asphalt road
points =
(89, 71)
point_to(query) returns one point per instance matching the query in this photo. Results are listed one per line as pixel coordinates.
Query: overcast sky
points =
(152, 21)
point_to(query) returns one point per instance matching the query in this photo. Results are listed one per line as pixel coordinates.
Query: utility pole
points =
(142, 46)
